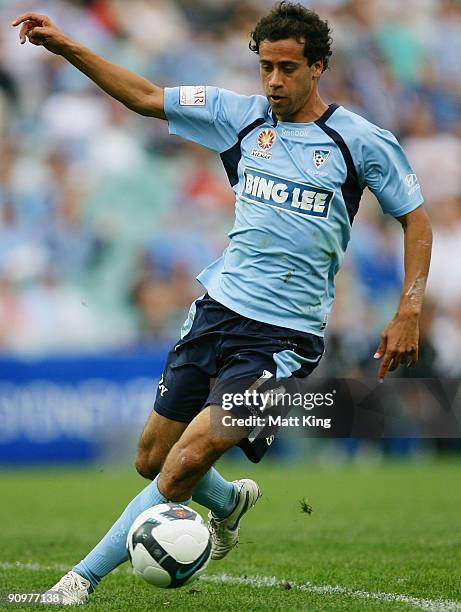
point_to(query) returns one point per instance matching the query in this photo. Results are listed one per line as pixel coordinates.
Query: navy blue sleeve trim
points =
(231, 158)
(351, 189)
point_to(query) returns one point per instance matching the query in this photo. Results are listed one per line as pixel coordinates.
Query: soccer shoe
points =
(70, 590)
(225, 532)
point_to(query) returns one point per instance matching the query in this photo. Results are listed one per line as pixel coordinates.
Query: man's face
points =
(287, 78)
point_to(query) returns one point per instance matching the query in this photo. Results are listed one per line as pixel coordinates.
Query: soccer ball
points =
(169, 545)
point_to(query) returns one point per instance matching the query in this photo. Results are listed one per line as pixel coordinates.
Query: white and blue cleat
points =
(72, 589)
(225, 532)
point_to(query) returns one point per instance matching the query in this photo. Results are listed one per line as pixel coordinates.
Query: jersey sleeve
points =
(210, 116)
(389, 175)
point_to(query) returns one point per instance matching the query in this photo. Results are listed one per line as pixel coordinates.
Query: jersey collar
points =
(323, 119)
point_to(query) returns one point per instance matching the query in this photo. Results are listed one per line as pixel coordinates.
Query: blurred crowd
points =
(105, 220)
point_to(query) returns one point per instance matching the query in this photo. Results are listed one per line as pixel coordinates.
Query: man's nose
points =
(275, 79)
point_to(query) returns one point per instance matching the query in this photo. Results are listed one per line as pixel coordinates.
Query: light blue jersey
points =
(298, 188)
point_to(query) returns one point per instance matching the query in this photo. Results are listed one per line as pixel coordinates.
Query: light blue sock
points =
(111, 550)
(216, 493)
(213, 492)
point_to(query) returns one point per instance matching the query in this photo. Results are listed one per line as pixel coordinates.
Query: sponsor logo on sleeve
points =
(298, 198)
(266, 140)
(192, 95)
(411, 181)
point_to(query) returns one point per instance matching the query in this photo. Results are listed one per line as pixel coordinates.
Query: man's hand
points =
(400, 340)
(40, 31)
(399, 344)
(135, 92)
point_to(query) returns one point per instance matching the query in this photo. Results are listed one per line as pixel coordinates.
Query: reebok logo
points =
(300, 132)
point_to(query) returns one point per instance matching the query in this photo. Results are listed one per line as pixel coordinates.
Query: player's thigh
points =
(256, 367)
(157, 439)
(182, 391)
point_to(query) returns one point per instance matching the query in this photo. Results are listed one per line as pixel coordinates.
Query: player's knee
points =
(201, 450)
(147, 464)
(189, 461)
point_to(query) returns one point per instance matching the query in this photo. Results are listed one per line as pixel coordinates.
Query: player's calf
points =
(148, 466)
(159, 435)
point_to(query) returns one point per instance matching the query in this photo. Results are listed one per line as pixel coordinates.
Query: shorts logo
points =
(192, 95)
(162, 388)
(266, 139)
(298, 198)
(321, 158)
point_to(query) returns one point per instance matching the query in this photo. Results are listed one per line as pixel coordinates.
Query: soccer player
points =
(298, 168)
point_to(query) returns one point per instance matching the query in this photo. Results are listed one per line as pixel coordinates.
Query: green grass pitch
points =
(386, 537)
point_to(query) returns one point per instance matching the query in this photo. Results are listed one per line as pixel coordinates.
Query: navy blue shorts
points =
(223, 352)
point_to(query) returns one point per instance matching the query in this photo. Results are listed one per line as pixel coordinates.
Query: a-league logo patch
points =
(321, 158)
(192, 95)
(266, 139)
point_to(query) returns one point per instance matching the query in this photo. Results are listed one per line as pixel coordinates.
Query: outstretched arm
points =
(400, 340)
(135, 92)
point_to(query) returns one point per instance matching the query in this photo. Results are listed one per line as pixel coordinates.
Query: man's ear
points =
(317, 69)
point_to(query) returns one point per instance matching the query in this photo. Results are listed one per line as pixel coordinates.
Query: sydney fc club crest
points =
(321, 158)
(266, 139)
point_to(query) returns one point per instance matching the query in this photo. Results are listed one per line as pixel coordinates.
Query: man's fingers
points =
(395, 362)
(392, 360)
(381, 348)
(34, 36)
(37, 18)
(384, 367)
(31, 22)
(412, 359)
(409, 358)
(25, 29)
(20, 19)
(37, 36)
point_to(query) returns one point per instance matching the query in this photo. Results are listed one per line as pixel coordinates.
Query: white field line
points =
(430, 605)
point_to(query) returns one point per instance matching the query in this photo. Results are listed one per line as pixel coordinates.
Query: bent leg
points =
(111, 550)
(196, 441)
(159, 436)
(157, 439)
(193, 455)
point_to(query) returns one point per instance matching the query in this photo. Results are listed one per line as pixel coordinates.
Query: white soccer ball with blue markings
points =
(169, 545)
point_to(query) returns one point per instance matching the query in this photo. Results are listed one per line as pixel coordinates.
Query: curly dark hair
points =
(290, 20)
